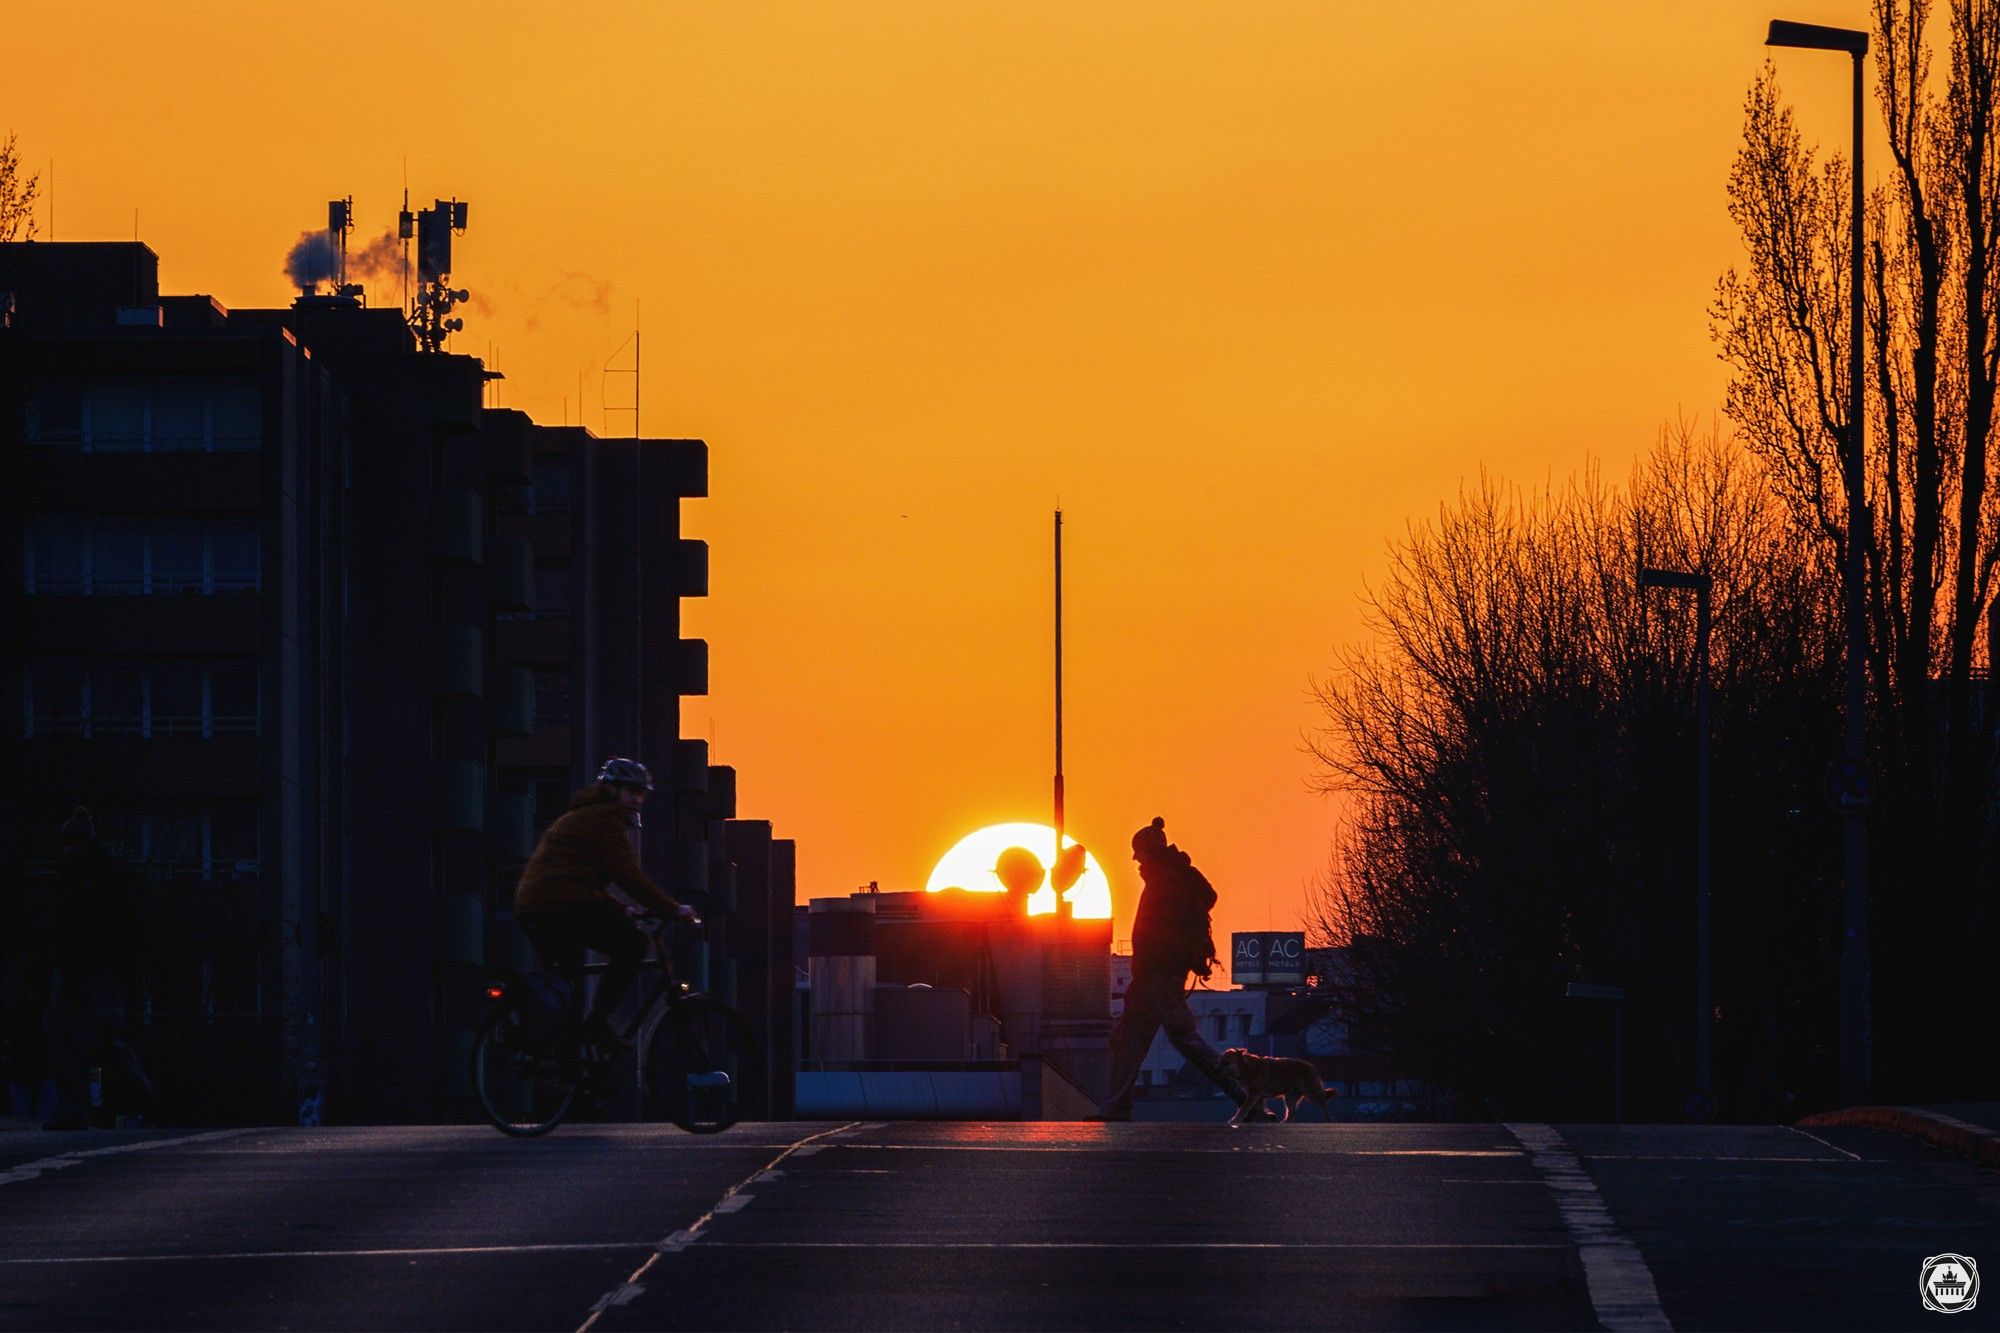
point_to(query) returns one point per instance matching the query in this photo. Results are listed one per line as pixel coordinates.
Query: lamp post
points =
(1702, 1105)
(1856, 1037)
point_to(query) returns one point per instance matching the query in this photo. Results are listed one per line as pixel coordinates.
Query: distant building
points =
(324, 644)
(951, 1004)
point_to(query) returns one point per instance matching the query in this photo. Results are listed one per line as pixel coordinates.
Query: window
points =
(116, 700)
(70, 556)
(55, 699)
(57, 554)
(166, 416)
(218, 842)
(117, 418)
(232, 842)
(239, 417)
(179, 421)
(177, 703)
(145, 699)
(55, 414)
(551, 492)
(552, 589)
(232, 698)
(233, 559)
(1242, 1024)
(1216, 1023)
(118, 561)
(177, 560)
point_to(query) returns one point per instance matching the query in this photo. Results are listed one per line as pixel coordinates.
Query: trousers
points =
(560, 934)
(1157, 1000)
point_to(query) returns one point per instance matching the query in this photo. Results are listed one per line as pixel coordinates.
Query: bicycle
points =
(528, 1066)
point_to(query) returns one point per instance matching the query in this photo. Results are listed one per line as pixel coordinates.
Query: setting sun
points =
(971, 861)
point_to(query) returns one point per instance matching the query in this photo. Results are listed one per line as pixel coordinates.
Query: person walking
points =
(1171, 937)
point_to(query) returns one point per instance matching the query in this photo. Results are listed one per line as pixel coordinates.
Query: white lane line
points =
(30, 1170)
(1177, 1150)
(629, 1289)
(1428, 1245)
(1621, 1286)
(408, 1252)
(1854, 1156)
(735, 1203)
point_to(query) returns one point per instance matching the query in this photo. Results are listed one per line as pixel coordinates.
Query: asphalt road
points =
(987, 1226)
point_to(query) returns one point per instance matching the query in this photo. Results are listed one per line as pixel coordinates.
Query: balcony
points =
(691, 568)
(458, 528)
(458, 799)
(509, 455)
(510, 575)
(511, 711)
(691, 666)
(137, 626)
(690, 765)
(458, 662)
(514, 826)
(688, 463)
(460, 929)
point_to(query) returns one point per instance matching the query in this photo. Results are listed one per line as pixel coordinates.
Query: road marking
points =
(30, 1170)
(735, 1203)
(1127, 1245)
(1621, 1286)
(411, 1252)
(686, 1236)
(1817, 1139)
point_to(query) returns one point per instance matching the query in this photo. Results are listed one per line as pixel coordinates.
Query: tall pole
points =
(1856, 1037)
(1059, 717)
(1850, 793)
(1704, 1027)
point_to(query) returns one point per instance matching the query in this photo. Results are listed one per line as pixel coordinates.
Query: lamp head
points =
(1815, 37)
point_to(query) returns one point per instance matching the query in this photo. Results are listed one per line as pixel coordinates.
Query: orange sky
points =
(1246, 287)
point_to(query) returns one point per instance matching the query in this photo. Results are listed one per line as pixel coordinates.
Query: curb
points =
(1948, 1132)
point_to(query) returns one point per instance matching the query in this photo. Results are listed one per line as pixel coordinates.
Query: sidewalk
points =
(1970, 1129)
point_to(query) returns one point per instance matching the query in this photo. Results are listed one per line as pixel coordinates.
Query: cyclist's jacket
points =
(588, 848)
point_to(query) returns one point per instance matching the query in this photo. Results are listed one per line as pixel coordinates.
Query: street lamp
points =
(1702, 1105)
(1856, 1038)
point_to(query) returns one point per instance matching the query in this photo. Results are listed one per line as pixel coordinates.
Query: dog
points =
(1293, 1082)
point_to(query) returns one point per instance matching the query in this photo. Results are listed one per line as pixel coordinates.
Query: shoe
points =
(1248, 1115)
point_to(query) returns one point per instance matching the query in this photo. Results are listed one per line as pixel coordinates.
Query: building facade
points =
(323, 643)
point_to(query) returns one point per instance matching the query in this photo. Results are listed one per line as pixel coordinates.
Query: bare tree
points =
(1517, 742)
(18, 193)
(1933, 361)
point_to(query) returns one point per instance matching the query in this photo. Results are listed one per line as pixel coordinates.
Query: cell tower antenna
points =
(1062, 909)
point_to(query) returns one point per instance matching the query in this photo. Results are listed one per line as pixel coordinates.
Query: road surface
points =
(1005, 1226)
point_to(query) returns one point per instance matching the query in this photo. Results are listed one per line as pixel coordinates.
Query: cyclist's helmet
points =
(625, 773)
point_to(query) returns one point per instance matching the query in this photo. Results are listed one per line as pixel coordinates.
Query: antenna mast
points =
(1061, 906)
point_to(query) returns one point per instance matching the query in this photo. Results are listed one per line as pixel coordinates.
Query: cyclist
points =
(563, 904)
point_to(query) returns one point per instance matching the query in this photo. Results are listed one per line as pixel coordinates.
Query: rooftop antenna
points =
(406, 227)
(339, 222)
(1063, 907)
(435, 226)
(632, 341)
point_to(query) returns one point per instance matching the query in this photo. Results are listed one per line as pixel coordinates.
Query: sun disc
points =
(970, 865)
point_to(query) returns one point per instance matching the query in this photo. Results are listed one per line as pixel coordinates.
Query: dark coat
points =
(1171, 932)
(588, 848)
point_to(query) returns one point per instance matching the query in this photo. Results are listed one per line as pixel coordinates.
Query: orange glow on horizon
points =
(1245, 288)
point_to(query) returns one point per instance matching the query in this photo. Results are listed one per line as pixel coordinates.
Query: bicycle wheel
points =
(697, 1065)
(524, 1091)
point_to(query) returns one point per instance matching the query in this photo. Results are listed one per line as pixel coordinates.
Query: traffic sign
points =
(1849, 786)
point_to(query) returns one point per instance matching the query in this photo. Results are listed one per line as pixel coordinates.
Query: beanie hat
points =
(1150, 840)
